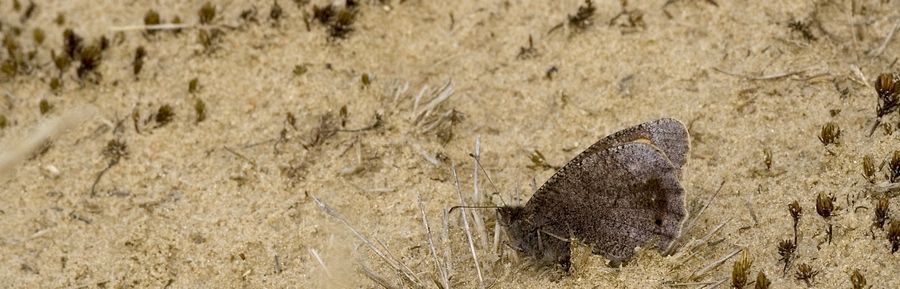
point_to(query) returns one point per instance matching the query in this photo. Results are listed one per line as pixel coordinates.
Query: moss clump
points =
(90, 58)
(39, 36)
(339, 21)
(152, 18)
(200, 109)
(55, 84)
(9, 68)
(138, 63)
(164, 115)
(193, 85)
(45, 106)
(207, 13)
(176, 21)
(72, 43)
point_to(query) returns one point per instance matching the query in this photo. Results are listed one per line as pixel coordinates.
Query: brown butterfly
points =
(620, 193)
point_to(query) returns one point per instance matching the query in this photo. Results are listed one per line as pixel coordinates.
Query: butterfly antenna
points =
(477, 158)
(472, 207)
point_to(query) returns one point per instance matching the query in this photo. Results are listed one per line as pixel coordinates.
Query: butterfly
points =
(621, 192)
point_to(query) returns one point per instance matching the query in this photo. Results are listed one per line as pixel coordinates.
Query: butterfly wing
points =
(667, 134)
(614, 200)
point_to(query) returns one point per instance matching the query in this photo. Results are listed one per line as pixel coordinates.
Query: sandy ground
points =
(229, 202)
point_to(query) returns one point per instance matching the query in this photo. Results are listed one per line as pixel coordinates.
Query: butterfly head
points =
(530, 239)
(512, 218)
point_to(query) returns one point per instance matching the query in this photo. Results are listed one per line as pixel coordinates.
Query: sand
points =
(229, 202)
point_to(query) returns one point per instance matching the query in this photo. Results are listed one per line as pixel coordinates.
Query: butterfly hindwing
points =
(617, 196)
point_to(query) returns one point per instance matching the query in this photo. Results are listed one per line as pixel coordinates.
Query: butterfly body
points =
(620, 193)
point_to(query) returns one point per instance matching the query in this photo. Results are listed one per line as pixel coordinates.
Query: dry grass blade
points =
(318, 258)
(398, 90)
(772, 76)
(715, 284)
(418, 98)
(886, 41)
(688, 284)
(428, 157)
(405, 271)
(441, 95)
(859, 74)
(496, 248)
(714, 265)
(462, 202)
(694, 244)
(438, 264)
(376, 278)
(476, 199)
(689, 224)
(694, 219)
(11, 156)
(715, 230)
(165, 26)
(445, 235)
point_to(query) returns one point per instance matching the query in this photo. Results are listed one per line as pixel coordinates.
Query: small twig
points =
(376, 124)
(165, 26)
(379, 190)
(465, 218)
(259, 143)
(773, 76)
(886, 41)
(278, 265)
(239, 155)
(875, 126)
(889, 190)
(109, 166)
(750, 208)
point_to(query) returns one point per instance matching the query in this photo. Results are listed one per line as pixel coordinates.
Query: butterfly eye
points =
(658, 222)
